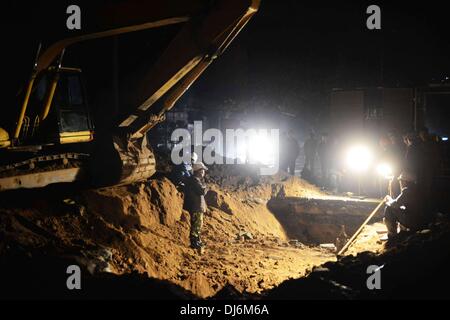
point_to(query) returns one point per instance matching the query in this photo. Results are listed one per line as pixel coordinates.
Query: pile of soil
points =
(122, 236)
(416, 267)
(142, 229)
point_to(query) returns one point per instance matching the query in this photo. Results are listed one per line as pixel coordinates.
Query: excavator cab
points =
(59, 115)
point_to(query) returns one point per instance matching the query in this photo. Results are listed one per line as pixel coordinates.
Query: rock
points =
(278, 191)
(69, 201)
(296, 243)
(261, 283)
(245, 235)
(259, 201)
(329, 246)
(216, 200)
(320, 270)
(82, 210)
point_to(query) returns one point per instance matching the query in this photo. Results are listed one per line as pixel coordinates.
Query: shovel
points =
(356, 234)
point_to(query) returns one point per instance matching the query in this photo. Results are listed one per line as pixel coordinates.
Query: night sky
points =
(289, 57)
(292, 52)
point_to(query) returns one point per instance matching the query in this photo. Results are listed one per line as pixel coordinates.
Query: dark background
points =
(288, 58)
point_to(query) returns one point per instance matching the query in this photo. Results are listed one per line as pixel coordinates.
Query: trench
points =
(318, 221)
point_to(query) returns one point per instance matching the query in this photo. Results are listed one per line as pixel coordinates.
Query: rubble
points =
(142, 229)
(328, 246)
(243, 235)
(414, 268)
(128, 233)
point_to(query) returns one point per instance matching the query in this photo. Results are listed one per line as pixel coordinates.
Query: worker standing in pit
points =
(386, 157)
(324, 152)
(395, 154)
(407, 209)
(194, 202)
(310, 150)
(181, 172)
(293, 152)
(284, 151)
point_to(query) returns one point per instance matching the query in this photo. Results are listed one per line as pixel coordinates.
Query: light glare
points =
(359, 158)
(385, 170)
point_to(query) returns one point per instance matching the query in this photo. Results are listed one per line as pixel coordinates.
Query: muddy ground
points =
(141, 230)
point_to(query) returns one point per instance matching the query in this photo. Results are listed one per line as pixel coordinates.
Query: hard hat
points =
(199, 166)
(407, 176)
(194, 157)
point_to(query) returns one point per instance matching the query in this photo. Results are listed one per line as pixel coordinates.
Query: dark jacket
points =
(294, 148)
(310, 147)
(324, 152)
(411, 203)
(194, 195)
(180, 173)
(395, 155)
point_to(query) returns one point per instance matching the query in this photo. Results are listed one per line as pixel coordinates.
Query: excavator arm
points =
(209, 27)
(123, 155)
(189, 54)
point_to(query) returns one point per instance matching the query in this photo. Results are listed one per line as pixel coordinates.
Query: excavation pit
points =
(320, 220)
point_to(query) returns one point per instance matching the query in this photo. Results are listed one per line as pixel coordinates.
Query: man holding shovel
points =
(408, 209)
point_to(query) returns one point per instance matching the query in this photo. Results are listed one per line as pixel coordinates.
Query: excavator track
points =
(135, 162)
(43, 170)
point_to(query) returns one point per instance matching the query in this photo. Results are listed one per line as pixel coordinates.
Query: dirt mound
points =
(142, 229)
(242, 177)
(138, 205)
(415, 268)
(125, 233)
(35, 275)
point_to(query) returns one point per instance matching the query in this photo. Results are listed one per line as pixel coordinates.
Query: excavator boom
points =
(206, 28)
(209, 27)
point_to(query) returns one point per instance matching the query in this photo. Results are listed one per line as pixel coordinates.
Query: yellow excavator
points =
(54, 140)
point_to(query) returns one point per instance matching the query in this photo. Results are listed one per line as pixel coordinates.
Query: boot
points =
(196, 243)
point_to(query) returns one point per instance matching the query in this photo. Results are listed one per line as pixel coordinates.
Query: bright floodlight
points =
(385, 170)
(261, 149)
(359, 158)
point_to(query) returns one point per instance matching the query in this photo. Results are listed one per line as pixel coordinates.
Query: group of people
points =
(323, 150)
(289, 152)
(313, 148)
(410, 201)
(416, 160)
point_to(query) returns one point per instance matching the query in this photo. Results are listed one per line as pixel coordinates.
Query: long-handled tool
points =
(356, 234)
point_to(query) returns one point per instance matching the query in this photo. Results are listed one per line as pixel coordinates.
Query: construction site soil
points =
(133, 242)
